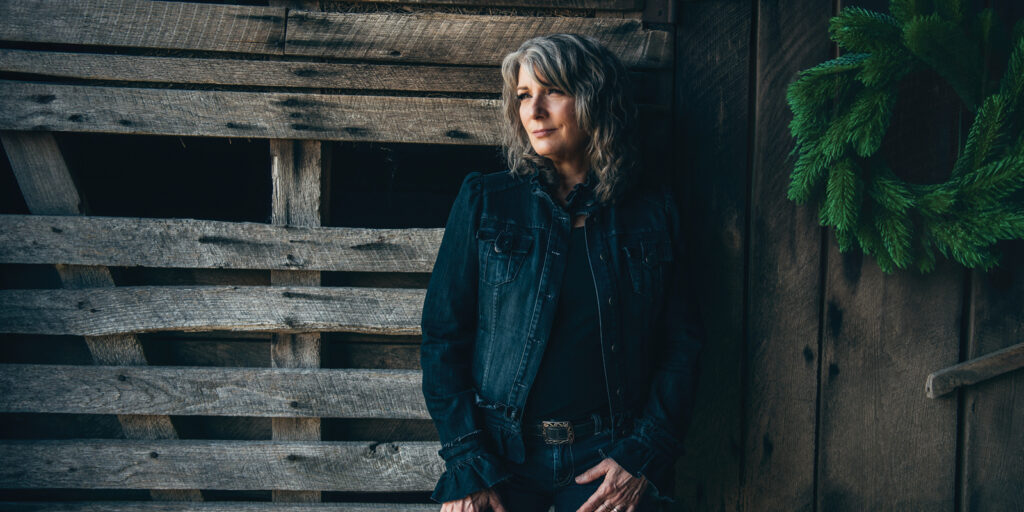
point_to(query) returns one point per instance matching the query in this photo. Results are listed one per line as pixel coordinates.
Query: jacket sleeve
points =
(657, 436)
(449, 333)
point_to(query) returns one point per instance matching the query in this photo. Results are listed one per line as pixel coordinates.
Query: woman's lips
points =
(543, 133)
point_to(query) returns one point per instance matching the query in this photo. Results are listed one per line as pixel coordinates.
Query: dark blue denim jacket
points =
(489, 308)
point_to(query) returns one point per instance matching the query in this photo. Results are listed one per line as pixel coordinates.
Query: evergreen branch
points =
(906, 10)
(951, 10)
(987, 137)
(860, 30)
(841, 205)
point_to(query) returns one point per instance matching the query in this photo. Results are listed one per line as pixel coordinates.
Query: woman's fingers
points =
(593, 473)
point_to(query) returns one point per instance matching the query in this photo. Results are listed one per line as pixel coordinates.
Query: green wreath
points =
(842, 109)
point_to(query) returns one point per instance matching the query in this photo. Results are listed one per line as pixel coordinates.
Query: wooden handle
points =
(976, 370)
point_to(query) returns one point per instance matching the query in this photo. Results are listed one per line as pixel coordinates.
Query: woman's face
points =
(548, 115)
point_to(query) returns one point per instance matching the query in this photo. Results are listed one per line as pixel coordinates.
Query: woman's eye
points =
(555, 91)
(522, 96)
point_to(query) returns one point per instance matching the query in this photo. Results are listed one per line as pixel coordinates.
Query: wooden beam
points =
(134, 309)
(215, 506)
(34, 107)
(605, 5)
(126, 23)
(976, 370)
(226, 465)
(461, 39)
(253, 73)
(190, 243)
(211, 391)
(48, 188)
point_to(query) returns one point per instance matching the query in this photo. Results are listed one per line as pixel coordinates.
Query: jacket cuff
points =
(466, 476)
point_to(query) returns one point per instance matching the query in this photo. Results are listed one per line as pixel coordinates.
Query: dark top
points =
(570, 383)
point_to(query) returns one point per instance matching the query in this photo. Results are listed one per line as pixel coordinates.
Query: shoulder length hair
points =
(600, 85)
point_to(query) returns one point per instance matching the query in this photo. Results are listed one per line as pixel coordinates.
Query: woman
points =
(559, 349)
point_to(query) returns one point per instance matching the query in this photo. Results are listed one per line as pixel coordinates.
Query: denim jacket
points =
(489, 308)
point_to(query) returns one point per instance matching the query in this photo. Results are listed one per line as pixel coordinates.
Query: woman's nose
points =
(537, 108)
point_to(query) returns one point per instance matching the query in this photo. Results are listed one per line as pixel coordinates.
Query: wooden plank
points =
(197, 391)
(883, 443)
(29, 106)
(128, 23)
(227, 465)
(190, 243)
(48, 188)
(975, 370)
(461, 39)
(711, 124)
(993, 411)
(785, 281)
(258, 73)
(217, 506)
(609, 5)
(296, 168)
(133, 309)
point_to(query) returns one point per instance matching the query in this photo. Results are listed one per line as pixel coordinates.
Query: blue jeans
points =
(547, 476)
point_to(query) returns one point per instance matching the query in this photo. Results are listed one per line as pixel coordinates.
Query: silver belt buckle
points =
(551, 431)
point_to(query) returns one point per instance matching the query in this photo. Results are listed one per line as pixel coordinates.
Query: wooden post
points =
(296, 168)
(48, 189)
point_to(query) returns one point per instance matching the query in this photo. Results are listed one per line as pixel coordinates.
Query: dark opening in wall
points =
(401, 185)
(170, 177)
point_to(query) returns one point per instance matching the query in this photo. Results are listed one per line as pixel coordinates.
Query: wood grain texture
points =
(296, 169)
(712, 117)
(35, 107)
(461, 39)
(258, 73)
(219, 506)
(190, 243)
(975, 370)
(785, 278)
(134, 309)
(197, 391)
(610, 5)
(227, 465)
(169, 25)
(47, 187)
(993, 454)
(42, 174)
(883, 443)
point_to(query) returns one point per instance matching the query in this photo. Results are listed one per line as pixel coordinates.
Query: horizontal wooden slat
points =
(32, 106)
(258, 73)
(212, 506)
(133, 309)
(190, 243)
(171, 25)
(190, 391)
(606, 5)
(460, 39)
(228, 465)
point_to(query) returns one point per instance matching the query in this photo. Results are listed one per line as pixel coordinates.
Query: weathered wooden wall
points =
(813, 392)
(261, 340)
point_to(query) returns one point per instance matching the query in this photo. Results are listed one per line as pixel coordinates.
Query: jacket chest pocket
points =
(503, 249)
(648, 257)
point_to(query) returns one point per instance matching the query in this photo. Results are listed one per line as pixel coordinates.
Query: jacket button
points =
(611, 301)
(601, 256)
(615, 347)
(618, 391)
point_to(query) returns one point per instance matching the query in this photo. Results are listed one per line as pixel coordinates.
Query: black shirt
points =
(570, 383)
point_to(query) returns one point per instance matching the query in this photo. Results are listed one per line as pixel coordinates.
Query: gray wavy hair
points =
(600, 85)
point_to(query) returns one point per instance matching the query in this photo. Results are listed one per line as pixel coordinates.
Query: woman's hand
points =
(620, 491)
(479, 501)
